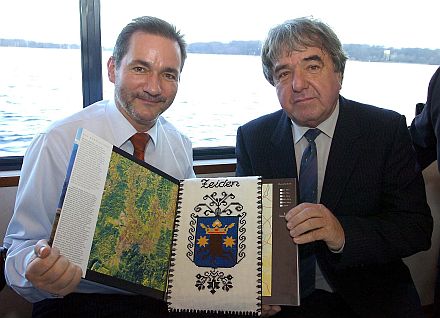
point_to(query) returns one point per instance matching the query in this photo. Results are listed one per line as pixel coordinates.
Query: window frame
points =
(92, 81)
(91, 55)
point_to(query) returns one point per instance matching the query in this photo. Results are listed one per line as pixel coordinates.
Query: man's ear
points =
(111, 69)
(340, 77)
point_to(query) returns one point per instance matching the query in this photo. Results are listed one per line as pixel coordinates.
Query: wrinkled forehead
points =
(301, 54)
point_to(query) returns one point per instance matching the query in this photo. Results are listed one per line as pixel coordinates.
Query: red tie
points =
(139, 141)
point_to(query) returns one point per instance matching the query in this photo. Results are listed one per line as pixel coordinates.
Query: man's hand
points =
(309, 222)
(52, 272)
(270, 310)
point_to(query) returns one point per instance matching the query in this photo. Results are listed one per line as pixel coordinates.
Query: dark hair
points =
(297, 35)
(150, 25)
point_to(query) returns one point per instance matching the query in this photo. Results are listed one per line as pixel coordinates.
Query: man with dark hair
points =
(362, 202)
(145, 68)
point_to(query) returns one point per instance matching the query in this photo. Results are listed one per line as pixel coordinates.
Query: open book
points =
(201, 245)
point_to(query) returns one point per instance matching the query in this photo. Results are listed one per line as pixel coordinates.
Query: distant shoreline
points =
(356, 52)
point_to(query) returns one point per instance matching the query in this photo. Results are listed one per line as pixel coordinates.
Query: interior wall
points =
(424, 265)
(11, 304)
(7, 199)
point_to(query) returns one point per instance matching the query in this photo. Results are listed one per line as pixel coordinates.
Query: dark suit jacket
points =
(372, 187)
(425, 128)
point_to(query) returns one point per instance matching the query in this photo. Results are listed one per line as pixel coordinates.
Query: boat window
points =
(391, 59)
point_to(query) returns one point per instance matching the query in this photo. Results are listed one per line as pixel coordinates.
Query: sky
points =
(375, 22)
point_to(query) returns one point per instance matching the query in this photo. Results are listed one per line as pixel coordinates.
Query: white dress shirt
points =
(43, 172)
(323, 143)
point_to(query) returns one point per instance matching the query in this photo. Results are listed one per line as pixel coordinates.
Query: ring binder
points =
(196, 244)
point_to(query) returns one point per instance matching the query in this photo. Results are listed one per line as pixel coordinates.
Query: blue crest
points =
(216, 241)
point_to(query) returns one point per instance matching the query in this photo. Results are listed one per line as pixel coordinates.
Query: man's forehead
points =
(303, 56)
(303, 53)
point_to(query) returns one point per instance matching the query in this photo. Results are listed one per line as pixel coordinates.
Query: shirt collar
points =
(121, 127)
(327, 126)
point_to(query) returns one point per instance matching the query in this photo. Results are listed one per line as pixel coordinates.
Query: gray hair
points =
(297, 35)
(149, 25)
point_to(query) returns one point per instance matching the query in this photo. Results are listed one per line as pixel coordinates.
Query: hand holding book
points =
(52, 272)
(210, 239)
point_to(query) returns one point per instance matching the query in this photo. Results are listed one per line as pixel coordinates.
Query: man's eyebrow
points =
(171, 70)
(279, 67)
(313, 58)
(141, 62)
(148, 65)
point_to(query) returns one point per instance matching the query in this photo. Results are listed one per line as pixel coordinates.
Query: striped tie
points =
(308, 172)
(308, 192)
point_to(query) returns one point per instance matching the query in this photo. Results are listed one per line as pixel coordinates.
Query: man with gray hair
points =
(362, 202)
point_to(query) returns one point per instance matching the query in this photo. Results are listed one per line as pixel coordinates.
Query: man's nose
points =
(152, 84)
(299, 81)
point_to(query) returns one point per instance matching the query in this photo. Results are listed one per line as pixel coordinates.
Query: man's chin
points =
(147, 121)
(304, 120)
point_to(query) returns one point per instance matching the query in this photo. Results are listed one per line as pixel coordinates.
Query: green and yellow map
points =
(133, 234)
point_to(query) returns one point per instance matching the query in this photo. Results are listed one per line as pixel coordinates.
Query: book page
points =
(267, 239)
(280, 253)
(82, 197)
(217, 246)
(132, 242)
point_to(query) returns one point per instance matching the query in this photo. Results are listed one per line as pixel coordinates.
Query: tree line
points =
(34, 44)
(355, 52)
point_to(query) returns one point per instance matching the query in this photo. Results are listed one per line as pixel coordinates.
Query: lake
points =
(217, 93)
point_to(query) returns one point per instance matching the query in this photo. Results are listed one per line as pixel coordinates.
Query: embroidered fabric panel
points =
(217, 246)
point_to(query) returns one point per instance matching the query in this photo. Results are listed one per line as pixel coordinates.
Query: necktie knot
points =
(311, 134)
(139, 141)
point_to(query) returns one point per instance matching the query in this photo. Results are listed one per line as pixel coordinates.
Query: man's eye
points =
(314, 68)
(170, 76)
(283, 74)
(138, 69)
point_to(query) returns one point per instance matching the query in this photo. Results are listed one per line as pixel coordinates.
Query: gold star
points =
(229, 241)
(202, 241)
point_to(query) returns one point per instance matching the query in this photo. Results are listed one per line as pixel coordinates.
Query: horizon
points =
(384, 23)
(228, 42)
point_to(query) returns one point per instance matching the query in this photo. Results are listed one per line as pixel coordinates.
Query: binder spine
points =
(173, 245)
(192, 313)
(65, 186)
(259, 243)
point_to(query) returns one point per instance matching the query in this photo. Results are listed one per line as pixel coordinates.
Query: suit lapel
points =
(282, 156)
(343, 155)
(342, 158)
